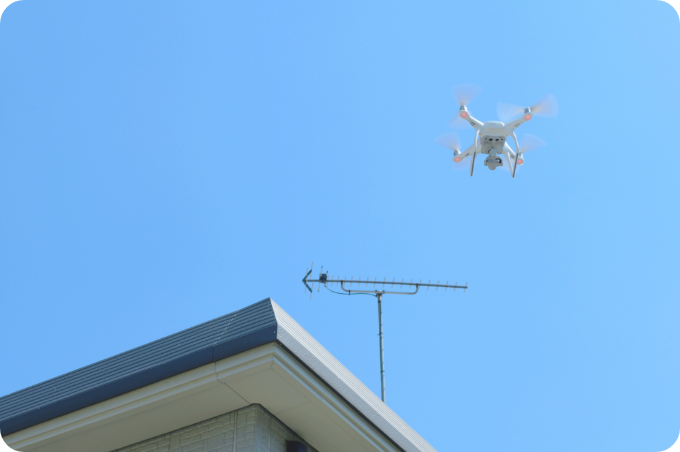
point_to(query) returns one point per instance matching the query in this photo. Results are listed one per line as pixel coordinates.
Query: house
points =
(252, 380)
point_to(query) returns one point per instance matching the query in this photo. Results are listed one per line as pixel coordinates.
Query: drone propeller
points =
(452, 141)
(547, 107)
(458, 123)
(461, 166)
(463, 95)
(529, 143)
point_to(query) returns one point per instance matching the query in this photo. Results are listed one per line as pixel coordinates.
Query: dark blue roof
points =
(208, 342)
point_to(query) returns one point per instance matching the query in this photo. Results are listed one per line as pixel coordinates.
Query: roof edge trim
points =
(138, 380)
(314, 356)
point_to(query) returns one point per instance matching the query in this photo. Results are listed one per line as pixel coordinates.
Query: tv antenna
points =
(346, 284)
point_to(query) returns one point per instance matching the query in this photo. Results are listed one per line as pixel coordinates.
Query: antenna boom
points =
(378, 293)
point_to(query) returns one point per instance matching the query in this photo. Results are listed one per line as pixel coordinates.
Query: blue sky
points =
(165, 163)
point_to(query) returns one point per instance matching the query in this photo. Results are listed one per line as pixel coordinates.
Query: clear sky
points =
(163, 163)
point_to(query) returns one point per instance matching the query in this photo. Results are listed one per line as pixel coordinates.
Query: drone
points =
(491, 137)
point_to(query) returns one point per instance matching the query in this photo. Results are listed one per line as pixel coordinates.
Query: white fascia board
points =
(268, 375)
(75, 428)
(286, 387)
(322, 363)
(299, 381)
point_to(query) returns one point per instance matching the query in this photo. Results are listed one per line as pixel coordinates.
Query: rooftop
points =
(262, 334)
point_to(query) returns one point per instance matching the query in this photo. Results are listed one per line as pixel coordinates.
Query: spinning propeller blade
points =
(508, 112)
(460, 166)
(458, 123)
(529, 143)
(465, 93)
(450, 139)
(546, 107)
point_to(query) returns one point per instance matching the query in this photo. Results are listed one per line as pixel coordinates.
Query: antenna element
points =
(414, 287)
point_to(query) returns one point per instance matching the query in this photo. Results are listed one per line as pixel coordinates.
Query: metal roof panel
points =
(215, 339)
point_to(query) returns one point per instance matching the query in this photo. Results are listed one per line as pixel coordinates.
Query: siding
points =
(257, 430)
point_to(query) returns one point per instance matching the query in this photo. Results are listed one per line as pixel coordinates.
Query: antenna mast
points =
(378, 293)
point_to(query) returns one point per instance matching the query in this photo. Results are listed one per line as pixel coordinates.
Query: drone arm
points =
(465, 115)
(512, 125)
(468, 151)
(477, 124)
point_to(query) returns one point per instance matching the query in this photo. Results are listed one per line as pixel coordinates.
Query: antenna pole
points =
(382, 349)
(378, 293)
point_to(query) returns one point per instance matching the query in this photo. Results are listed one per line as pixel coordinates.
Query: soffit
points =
(268, 375)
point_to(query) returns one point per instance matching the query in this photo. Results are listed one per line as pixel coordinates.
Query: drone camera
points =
(493, 162)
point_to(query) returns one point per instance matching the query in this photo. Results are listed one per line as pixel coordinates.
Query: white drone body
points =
(491, 137)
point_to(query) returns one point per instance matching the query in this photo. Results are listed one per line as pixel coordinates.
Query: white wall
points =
(257, 430)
